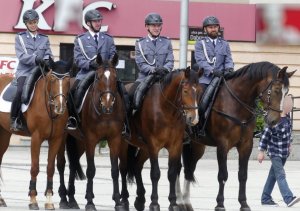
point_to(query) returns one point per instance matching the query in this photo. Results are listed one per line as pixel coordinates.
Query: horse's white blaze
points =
(61, 93)
(107, 74)
(196, 119)
(284, 92)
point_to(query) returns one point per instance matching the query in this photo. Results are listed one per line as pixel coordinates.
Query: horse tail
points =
(187, 158)
(74, 158)
(131, 161)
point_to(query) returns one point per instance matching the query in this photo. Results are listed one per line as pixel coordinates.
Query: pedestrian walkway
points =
(16, 176)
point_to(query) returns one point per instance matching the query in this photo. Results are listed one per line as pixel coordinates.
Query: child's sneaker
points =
(294, 201)
(270, 203)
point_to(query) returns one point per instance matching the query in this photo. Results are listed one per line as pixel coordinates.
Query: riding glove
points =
(93, 65)
(218, 73)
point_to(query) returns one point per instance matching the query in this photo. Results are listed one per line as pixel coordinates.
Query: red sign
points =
(125, 18)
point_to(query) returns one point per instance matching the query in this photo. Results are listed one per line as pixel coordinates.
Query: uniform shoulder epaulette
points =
(140, 39)
(21, 33)
(163, 37)
(108, 35)
(80, 35)
(43, 35)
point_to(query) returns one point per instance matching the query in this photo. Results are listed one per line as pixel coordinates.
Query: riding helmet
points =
(30, 15)
(210, 20)
(92, 15)
(153, 18)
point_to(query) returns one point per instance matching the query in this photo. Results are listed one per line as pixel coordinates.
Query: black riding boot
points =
(73, 120)
(125, 97)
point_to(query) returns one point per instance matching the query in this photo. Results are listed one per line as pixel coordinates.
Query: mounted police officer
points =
(86, 48)
(212, 53)
(32, 49)
(153, 55)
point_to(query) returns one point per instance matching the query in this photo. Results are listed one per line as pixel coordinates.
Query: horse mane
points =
(168, 78)
(257, 71)
(60, 67)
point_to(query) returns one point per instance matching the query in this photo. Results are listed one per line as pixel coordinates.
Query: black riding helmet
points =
(210, 20)
(92, 15)
(153, 18)
(30, 15)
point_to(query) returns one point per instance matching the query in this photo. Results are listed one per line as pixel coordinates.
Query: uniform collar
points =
(151, 38)
(213, 40)
(32, 35)
(93, 33)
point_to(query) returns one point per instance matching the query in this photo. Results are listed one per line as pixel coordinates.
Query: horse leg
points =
(155, 176)
(54, 146)
(123, 171)
(173, 174)
(62, 190)
(114, 147)
(244, 151)
(90, 173)
(222, 177)
(4, 143)
(34, 171)
(191, 153)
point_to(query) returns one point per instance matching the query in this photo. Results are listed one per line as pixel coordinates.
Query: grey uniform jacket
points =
(82, 56)
(221, 52)
(27, 50)
(148, 56)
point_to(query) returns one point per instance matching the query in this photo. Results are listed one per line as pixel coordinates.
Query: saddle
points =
(81, 89)
(28, 88)
(141, 91)
(205, 107)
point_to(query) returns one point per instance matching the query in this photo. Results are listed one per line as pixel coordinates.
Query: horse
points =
(46, 118)
(102, 117)
(231, 123)
(160, 123)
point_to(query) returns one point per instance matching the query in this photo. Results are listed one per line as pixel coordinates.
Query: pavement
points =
(16, 176)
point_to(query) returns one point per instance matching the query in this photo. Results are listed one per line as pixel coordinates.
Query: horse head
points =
(106, 84)
(58, 86)
(184, 95)
(273, 94)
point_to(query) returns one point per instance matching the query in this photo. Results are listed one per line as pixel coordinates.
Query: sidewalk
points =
(16, 176)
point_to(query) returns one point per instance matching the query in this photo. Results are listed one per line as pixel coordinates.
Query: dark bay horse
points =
(46, 118)
(102, 118)
(160, 123)
(232, 122)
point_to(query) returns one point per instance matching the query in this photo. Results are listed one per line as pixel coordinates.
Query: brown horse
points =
(160, 123)
(102, 117)
(46, 118)
(232, 122)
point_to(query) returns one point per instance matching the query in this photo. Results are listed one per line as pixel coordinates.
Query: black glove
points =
(229, 70)
(39, 61)
(161, 71)
(93, 65)
(218, 73)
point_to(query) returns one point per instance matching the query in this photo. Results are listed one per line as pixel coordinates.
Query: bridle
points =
(101, 94)
(182, 108)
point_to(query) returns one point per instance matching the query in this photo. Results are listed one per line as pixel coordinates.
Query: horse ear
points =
(69, 64)
(200, 72)
(282, 72)
(187, 72)
(99, 59)
(115, 60)
(51, 63)
(291, 73)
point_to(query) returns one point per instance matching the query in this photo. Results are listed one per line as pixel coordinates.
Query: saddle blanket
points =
(5, 105)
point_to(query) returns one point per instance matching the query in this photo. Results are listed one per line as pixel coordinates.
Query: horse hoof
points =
(139, 206)
(120, 208)
(154, 207)
(245, 209)
(33, 206)
(125, 204)
(2, 203)
(90, 207)
(49, 206)
(188, 207)
(73, 205)
(64, 205)
(220, 209)
(175, 208)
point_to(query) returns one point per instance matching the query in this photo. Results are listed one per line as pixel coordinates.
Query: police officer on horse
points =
(153, 56)
(86, 48)
(32, 49)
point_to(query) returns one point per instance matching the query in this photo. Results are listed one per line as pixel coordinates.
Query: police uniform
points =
(86, 49)
(148, 55)
(212, 58)
(27, 49)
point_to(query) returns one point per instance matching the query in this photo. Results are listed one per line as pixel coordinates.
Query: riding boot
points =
(16, 123)
(125, 97)
(73, 120)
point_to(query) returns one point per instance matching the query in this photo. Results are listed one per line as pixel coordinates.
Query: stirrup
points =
(16, 125)
(72, 123)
